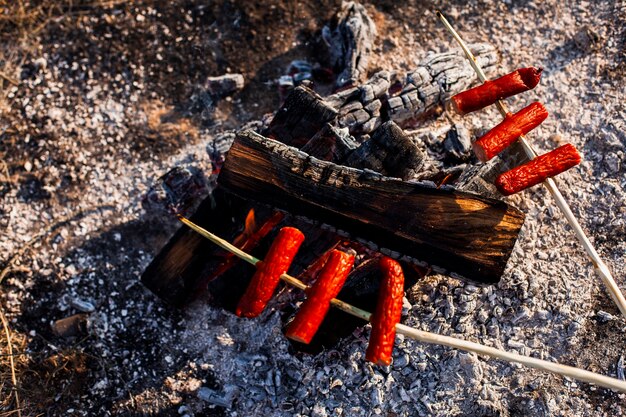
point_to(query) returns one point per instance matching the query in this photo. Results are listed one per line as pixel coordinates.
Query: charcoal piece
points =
(360, 107)
(416, 220)
(180, 190)
(437, 78)
(331, 144)
(72, 326)
(390, 152)
(458, 144)
(480, 178)
(341, 97)
(224, 85)
(303, 114)
(350, 39)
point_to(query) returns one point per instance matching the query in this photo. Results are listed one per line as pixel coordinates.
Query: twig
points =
(9, 79)
(433, 338)
(600, 267)
(7, 333)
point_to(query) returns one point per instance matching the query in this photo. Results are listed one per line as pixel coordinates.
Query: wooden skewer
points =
(428, 337)
(600, 267)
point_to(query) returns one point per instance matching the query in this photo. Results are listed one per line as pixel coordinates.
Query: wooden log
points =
(437, 78)
(331, 144)
(303, 114)
(350, 39)
(461, 233)
(180, 270)
(389, 152)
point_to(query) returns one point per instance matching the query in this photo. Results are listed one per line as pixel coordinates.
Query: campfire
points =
(334, 190)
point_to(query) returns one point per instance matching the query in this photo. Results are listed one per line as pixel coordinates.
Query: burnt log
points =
(437, 78)
(389, 152)
(360, 107)
(331, 144)
(461, 233)
(302, 115)
(480, 178)
(350, 40)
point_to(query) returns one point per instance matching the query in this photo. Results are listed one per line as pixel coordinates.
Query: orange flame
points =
(248, 229)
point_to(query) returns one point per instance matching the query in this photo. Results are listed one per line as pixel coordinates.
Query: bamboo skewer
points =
(428, 337)
(600, 267)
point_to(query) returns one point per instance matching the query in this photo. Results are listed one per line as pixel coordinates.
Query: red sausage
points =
(507, 132)
(268, 272)
(314, 309)
(489, 92)
(538, 170)
(387, 314)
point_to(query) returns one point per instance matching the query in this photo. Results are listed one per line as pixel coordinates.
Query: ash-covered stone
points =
(82, 305)
(72, 326)
(178, 191)
(219, 398)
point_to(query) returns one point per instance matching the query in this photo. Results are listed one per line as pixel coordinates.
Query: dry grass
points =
(13, 362)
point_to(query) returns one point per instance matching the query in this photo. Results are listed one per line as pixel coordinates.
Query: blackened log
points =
(331, 144)
(389, 152)
(462, 233)
(480, 178)
(437, 78)
(303, 114)
(350, 39)
(360, 107)
(180, 271)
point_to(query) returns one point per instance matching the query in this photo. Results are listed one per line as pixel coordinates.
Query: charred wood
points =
(390, 152)
(303, 114)
(480, 178)
(462, 233)
(331, 144)
(350, 40)
(437, 78)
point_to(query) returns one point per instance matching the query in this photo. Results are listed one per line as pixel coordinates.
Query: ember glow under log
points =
(512, 127)
(314, 309)
(538, 170)
(488, 93)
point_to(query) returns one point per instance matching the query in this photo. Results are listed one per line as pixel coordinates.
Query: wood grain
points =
(461, 233)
